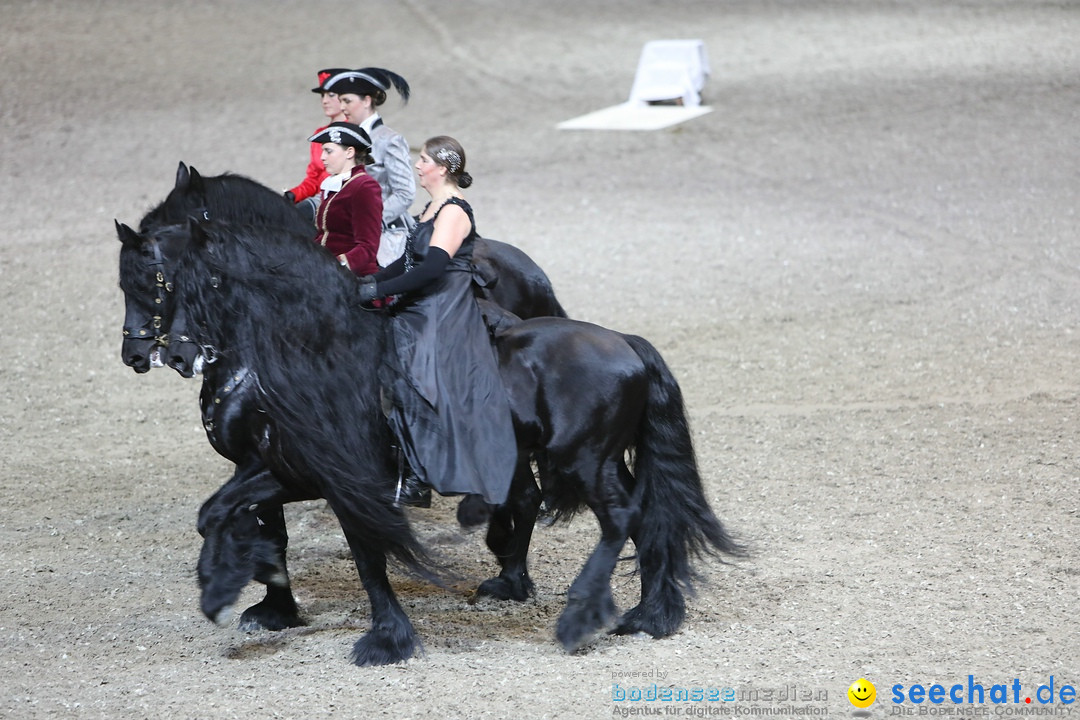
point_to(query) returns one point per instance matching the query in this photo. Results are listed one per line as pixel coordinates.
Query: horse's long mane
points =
(523, 287)
(283, 293)
(230, 197)
(288, 311)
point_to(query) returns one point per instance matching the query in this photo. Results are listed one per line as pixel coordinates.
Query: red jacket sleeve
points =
(316, 173)
(365, 219)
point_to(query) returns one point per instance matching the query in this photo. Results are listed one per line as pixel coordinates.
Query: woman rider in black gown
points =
(449, 409)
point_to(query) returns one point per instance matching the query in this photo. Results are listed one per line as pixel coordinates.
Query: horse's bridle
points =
(151, 329)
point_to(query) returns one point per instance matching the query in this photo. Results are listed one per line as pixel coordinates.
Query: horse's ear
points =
(183, 177)
(195, 181)
(126, 234)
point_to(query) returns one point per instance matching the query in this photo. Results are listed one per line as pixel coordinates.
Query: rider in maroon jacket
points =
(349, 219)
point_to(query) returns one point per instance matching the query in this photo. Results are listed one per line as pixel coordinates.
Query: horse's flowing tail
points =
(677, 526)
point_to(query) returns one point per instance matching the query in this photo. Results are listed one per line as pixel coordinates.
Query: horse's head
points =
(237, 545)
(146, 263)
(186, 354)
(200, 316)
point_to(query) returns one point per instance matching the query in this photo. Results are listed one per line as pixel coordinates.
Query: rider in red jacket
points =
(306, 193)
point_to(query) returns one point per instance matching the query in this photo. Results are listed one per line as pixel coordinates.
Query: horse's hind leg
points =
(663, 606)
(508, 537)
(278, 609)
(589, 605)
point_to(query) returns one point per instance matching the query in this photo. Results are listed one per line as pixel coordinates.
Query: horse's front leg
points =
(278, 609)
(391, 638)
(228, 406)
(237, 549)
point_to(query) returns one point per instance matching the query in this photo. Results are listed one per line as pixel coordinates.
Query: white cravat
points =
(333, 183)
(369, 122)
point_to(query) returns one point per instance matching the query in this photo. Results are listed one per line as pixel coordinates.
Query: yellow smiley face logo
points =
(862, 693)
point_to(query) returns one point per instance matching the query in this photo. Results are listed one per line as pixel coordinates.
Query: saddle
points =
(497, 318)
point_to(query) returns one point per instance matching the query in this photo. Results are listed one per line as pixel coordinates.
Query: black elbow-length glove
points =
(392, 283)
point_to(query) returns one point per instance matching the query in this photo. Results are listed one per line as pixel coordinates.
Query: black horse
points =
(146, 258)
(227, 399)
(582, 397)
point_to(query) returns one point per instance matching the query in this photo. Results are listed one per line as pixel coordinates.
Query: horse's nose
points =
(179, 363)
(135, 359)
(137, 363)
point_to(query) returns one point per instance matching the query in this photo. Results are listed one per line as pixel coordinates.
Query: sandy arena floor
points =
(863, 266)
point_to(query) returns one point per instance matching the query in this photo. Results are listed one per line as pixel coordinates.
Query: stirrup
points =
(410, 490)
(413, 493)
(545, 516)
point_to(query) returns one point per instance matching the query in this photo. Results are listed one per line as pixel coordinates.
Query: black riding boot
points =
(411, 490)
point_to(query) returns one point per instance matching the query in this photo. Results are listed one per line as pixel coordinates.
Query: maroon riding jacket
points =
(350, 222)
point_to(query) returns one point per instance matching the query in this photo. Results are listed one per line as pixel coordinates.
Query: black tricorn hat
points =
(343, 133)
(324, 75)
(367, 81)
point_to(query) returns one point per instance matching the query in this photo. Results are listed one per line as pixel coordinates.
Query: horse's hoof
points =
(581, 621)
(385, 646)
(545, 516)
(502, 588)
(657, 618)
(223, 616)
(257, 618)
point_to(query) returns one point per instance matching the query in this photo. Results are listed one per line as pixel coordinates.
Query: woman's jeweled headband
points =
(450, 158)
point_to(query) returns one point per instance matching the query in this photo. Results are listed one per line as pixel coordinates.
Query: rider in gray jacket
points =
(362, 92)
